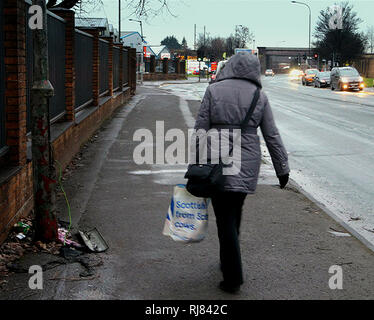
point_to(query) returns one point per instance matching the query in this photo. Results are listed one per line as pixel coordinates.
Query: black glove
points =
(283, 180)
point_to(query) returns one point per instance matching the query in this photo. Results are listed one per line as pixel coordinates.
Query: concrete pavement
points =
(288, 243)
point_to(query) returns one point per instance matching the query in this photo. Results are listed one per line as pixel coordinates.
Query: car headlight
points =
(361, 79)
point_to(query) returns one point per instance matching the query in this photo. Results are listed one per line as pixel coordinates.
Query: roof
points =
(89, 23)
(157, 49)
(126, 34)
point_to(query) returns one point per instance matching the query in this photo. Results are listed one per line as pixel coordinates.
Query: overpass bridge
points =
(281, 59)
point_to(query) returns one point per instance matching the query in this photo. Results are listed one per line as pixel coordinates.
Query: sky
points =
(274, 23)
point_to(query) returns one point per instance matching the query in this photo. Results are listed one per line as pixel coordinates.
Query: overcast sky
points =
(273, 22)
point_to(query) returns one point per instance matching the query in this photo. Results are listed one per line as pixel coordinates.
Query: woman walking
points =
(226, 102)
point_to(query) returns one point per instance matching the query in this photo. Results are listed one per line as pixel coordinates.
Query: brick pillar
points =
(15, 75)
(110, 64)
(152, 68)
(165, 65)
(69, 17)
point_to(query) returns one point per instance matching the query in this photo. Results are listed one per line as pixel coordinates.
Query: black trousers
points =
(228, 210)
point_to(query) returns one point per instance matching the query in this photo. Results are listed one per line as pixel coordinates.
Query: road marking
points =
(150, 172)
(187, 115)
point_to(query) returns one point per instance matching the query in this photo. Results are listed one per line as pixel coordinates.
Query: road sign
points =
(250, 51)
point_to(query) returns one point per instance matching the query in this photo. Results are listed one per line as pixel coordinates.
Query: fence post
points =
(110, 64)
(183, 67)
(132, 69)
(165, 65)
(69, 17)
(152, 68)
(15, 75)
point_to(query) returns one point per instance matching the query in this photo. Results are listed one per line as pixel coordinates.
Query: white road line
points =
(187, 115)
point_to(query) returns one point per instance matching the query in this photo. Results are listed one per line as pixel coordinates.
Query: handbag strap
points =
(251, 109)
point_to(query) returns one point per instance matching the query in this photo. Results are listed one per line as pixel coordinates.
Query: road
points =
(330, 139)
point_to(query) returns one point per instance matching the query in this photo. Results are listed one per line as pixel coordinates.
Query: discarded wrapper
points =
(62, 234)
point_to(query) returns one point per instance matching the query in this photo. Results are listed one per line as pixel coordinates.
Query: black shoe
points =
(229, 287)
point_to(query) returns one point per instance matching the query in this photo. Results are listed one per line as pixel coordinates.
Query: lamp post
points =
(142, 53)
(310, 21)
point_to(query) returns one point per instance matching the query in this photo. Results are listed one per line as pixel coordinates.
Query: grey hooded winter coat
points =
(226, 102)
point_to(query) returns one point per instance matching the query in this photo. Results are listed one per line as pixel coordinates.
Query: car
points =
(269, 72)
(295, 75)
(322, 79)
(345, 78)
(308, 76)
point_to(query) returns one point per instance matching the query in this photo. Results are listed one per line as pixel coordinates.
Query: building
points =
(161, 52)
(101, 24)
(133, 39)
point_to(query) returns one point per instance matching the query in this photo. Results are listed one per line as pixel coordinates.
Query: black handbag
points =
(204, 180)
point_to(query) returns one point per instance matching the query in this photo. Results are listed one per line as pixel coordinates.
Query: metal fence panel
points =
(159, 66)
(116, 67)
(56, 56)
(2, 80)
(29, 68)
(83, 68)
(172, 66)
(125, 60)
(104, 65)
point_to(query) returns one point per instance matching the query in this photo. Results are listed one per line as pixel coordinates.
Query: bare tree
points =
(370, 39)
(140, 8)
(242, 36)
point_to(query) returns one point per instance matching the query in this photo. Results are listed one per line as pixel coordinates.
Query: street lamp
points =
(142, 52)
(141, 26)
(310, 20)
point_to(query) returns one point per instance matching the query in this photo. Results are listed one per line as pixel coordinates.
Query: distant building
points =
(94, 23)
(101, 24)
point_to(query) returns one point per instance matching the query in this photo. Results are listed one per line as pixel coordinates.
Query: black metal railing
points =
(56, 57)
(2, 81)
(104, 66)
(125, 69)
(83, 57)
(172, 66)
(29, 70)
(116, 67)
(158, 66)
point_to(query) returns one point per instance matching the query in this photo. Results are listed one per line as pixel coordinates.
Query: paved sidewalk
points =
(288, 243)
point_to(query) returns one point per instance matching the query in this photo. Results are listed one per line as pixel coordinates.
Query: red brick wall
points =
(16, 189)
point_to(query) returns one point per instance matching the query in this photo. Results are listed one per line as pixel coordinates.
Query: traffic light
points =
(316, 56)
(304, 56)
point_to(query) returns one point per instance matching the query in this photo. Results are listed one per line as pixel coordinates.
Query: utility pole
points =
(44, 175)
(119, 20)
(142, 51)
(194, 40)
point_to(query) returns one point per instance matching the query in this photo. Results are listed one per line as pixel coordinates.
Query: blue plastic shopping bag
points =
(187, 217)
